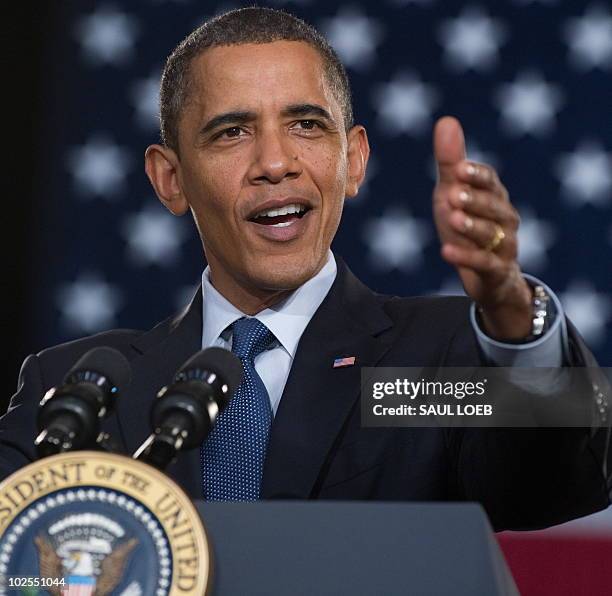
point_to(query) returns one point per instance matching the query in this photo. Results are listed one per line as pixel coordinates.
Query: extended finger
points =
(449, 147)
(479, 175)
(482, 231)
(484, 204)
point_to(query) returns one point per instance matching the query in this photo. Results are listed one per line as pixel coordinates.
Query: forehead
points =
(259, 76)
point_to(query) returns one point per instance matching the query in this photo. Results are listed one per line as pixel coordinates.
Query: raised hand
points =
(478, 227)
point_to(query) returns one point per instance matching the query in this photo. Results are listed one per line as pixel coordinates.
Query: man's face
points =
(261, 137)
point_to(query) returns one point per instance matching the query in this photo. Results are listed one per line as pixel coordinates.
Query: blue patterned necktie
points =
(233, 455)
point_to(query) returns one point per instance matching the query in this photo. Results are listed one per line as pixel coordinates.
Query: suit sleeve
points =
(18, 425)
(529, 478)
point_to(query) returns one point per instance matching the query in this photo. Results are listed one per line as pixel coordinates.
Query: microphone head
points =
(222, 362)
(105, 361)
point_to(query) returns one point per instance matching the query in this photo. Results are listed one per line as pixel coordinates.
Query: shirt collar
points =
(287, 320)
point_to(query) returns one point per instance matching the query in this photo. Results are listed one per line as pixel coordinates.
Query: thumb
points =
(449, 147)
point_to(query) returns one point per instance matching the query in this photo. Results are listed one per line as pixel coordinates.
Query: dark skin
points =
(258, 132)
(469, 202)
(273, 149)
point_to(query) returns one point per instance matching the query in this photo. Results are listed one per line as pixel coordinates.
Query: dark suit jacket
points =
(318, 449)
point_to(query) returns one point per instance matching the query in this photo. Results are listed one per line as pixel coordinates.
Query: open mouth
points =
(280, 217)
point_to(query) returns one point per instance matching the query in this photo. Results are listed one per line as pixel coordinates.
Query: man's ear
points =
(358, 152)
(161, 166)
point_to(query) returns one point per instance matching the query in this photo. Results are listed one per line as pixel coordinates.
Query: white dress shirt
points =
(288, 319)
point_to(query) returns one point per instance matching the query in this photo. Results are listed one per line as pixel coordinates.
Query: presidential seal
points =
(94, 523)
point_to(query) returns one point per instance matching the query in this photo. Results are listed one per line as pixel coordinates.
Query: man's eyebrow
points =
(242, 117)
(307, 109)
(225, 119)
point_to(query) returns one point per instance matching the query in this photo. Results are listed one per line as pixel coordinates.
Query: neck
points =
(247, 299)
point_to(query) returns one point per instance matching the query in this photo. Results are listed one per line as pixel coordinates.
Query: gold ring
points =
(496, 240)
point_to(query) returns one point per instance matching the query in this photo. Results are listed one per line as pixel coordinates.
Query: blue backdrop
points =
(530, 81)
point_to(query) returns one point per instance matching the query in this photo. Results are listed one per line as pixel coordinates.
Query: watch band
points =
(541, 312)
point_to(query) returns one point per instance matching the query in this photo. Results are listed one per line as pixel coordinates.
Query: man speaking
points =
(259, 143)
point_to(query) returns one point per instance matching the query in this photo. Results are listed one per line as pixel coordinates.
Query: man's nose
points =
(275, 158)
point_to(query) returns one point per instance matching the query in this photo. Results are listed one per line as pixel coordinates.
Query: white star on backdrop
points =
(88, 304)
(154, 236)
(586, 174)
(99, 167)
(405, 105)
(471, 40)
(588, 309)
(535, 237)
(145, 98)
(590, 39)
(354, 36)
(528, 105)
(396, 240)
(107, 36)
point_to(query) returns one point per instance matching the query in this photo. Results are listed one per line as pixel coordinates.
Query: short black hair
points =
(236, 27)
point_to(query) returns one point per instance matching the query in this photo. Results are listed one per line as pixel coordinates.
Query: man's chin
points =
(283, 274)
(281, 280)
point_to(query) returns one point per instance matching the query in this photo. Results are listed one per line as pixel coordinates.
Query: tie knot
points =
(250, 337)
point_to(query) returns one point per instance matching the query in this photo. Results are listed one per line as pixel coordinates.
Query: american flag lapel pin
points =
(341, 362)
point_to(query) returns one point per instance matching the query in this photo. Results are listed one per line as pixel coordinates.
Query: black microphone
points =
(184, 413)
(69, 415)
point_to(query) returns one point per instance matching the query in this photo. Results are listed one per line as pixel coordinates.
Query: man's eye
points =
(309, 124)
(231, 133)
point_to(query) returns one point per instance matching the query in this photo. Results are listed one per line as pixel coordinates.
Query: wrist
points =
(508, 325)
(509, 322)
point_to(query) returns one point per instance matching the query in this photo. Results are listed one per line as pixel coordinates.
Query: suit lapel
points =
(161, 352)
(318, 398)
(316, 401)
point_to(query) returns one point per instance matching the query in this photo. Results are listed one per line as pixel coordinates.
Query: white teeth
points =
(282, 224)
(286, 210)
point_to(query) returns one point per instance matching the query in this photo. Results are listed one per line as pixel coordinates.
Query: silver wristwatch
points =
(541, 312)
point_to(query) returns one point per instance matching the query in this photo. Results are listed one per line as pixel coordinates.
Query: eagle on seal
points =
(111, 568)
